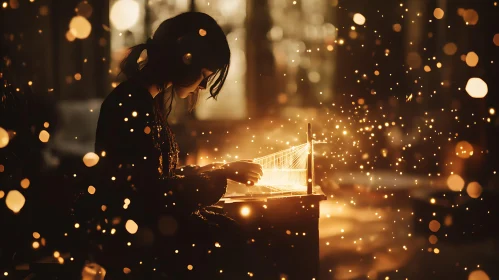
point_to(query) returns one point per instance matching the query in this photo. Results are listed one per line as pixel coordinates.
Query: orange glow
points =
(477, 88)
(455, 182)
(25, 183)
(245, 211)
(464, 149)
(434, 225)
(474, 190)
(44, 136)
(15, 201)
(4, 138)
(90, 159)
(438, 13)
(478, 275)
(131, 226)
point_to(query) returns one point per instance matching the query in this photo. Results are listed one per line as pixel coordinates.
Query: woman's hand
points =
(243, 171)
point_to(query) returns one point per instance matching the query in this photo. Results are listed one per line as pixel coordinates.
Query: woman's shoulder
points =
(129, 90)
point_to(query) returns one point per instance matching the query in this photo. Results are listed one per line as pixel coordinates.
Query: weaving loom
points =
(286, 172)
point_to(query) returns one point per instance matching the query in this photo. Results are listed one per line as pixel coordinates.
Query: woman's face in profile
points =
(200, 83)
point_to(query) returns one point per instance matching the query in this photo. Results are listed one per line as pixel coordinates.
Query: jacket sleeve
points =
(189, 193)
(132, 160)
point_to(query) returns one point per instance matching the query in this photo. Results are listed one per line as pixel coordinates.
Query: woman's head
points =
(189, 51)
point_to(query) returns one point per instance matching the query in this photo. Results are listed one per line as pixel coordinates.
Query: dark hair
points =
(178, 50)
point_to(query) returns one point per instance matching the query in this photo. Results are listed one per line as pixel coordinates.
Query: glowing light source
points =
(90, 159)
(245, 211)
(131, 226)
(397, 27)
(359, 19)
(476, 88)
(438, 13)
(455, 182)
(91, 189)
(25, 183)
(434, 225)
(84, 9)
(470, 16)
(4, 138)
(44, 136)
(464, 149)
(80, 27)
(433, 239)
(15, 201)
(478, 275)
(496, 39)
(472, 59)
(474, 190)
(450, 48)
(124, 14)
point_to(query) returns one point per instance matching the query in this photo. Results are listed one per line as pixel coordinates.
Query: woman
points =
(138, 163)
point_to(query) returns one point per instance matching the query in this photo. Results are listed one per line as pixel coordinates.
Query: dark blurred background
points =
(386, 84)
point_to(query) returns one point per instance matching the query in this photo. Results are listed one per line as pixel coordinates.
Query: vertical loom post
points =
(310, 159)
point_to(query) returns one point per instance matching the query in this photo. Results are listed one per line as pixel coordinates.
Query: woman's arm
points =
(189, 193)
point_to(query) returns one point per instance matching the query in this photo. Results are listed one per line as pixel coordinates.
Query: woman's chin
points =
(183, 95)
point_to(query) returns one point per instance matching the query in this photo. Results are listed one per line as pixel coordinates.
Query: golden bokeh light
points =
(433, 239)
(472, 59)
(2, 194)
(397, 27)
(478, 275)
(70, 37)
(496, 39)
(427, 68)
(464, 149)
(25, 183)
(131, 226)
(36, 245)
(438, 13)
(190, 267)
(450, 48)
(474, 190)
(477, 88)
(448, 221)
(91, 189)
(44, 136)
(245, 211)
(84, 9)
(414, 60)
(80, 27)
(202, 32)
(470, 16)
(4, 138)
(434, 225)
(124, 14)
(90, 159)
(44, 10)
(455, 182)
(492, 111)
(36, 235)
(15, 201)
(359, 19)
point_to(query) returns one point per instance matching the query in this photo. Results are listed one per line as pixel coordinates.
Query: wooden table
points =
(285, 228)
